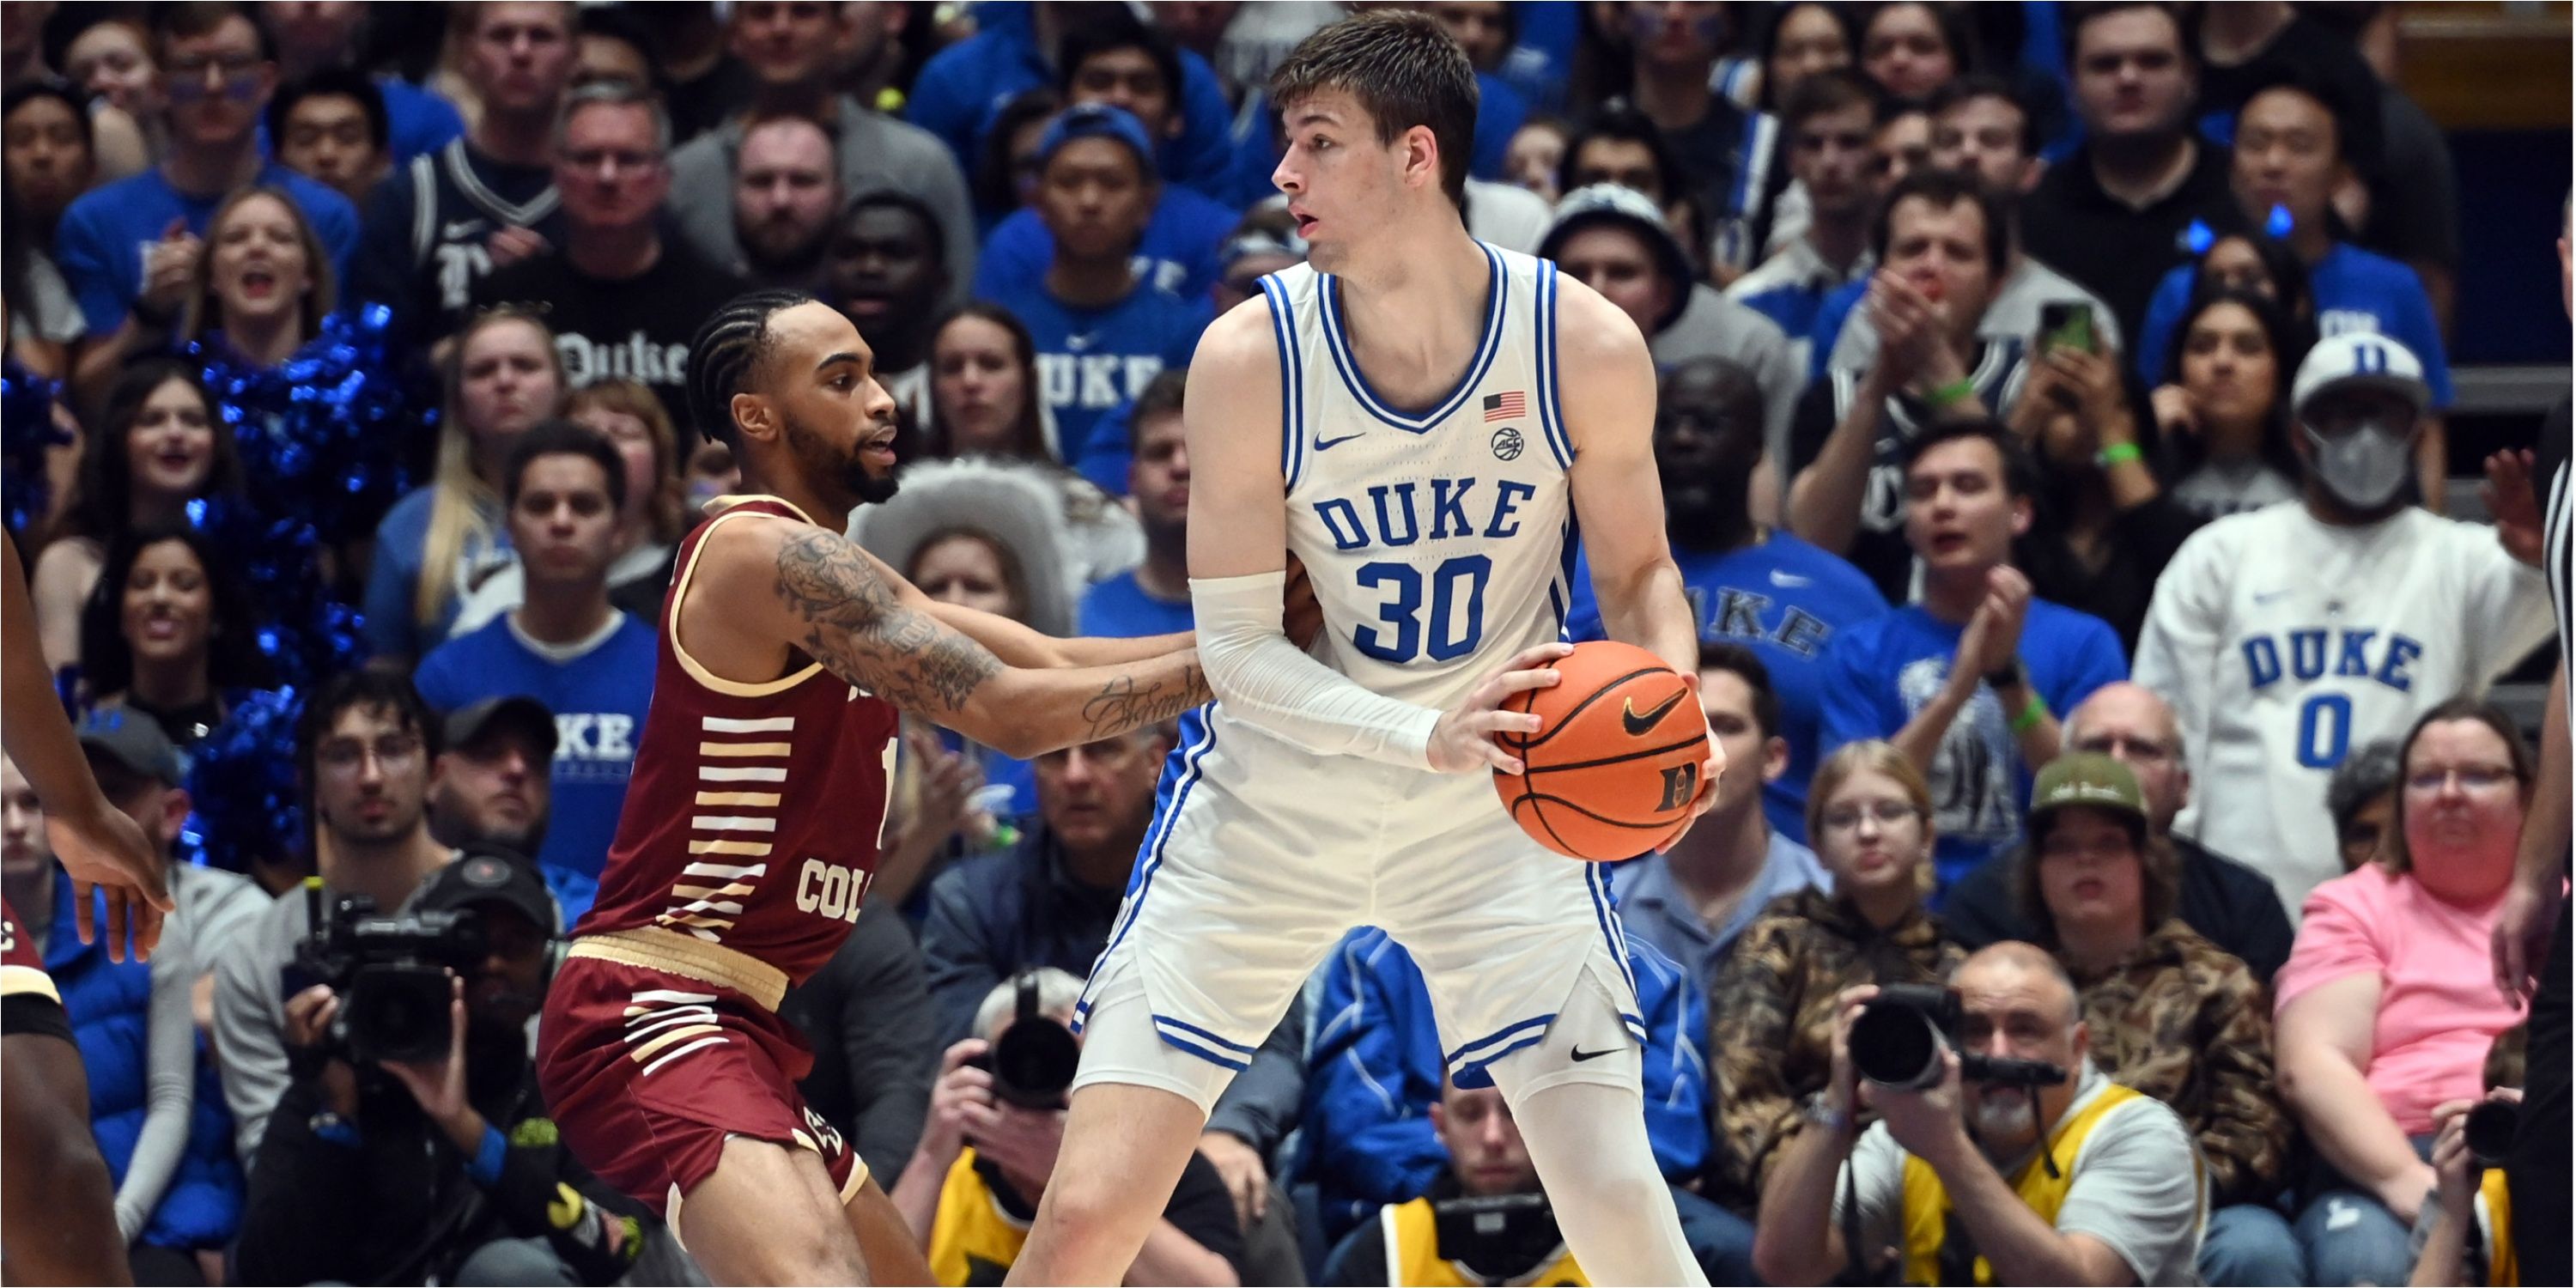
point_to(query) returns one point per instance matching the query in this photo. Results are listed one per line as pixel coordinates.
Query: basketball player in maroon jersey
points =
(755, 812)
(57, 1203)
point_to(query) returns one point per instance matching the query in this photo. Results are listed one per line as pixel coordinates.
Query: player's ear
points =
(1422, 155)
(751, 416)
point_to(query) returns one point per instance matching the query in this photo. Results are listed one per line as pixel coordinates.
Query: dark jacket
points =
(402, 1204)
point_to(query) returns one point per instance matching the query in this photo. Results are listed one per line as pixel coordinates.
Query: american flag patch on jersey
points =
(1505, 406)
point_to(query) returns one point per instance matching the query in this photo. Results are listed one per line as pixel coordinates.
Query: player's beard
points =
(845, 470)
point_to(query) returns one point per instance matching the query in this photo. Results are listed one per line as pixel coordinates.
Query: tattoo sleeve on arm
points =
(1126, 702)
(855, 627)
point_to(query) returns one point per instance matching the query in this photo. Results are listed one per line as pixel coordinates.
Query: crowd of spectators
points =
(2051, 427)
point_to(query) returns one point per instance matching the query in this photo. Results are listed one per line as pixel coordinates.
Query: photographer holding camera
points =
(412, 1144)
(2001, 1154)
(2465, 1234)
(996, 1121)
(1485, 1221)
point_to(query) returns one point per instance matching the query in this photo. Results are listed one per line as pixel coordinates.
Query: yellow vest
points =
(1413, 1256)
(972, 1240)
(2503, 1271)
(1927, 1202)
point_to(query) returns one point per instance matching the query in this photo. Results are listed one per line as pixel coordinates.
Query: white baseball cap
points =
(2360, 358)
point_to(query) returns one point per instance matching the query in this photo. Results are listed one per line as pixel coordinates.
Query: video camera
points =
(1502, 1237)
(1899, 1035)
(392, 975)
(1035, 1058)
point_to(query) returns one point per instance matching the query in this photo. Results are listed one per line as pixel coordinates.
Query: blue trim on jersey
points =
(1597, 880)
(1551, 424)
(1572, 542)
(1474, 1074)
(1367, 398)
(1292, 377)
(1164, 1028)
(1202, 1034)
(1462, 1054)
(1191, 757)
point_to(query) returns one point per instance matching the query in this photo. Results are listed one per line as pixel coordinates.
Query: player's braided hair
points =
(722, 355)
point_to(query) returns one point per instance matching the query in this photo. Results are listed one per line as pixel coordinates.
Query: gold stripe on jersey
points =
(651, 948)
(16, 980)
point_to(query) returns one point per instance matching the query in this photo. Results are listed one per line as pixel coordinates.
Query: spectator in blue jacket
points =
(1376, 1070)
(1125, 64)
(1017, 48)
(133, 245)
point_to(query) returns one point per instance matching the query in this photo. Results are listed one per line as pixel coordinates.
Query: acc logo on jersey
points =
(1507, 444)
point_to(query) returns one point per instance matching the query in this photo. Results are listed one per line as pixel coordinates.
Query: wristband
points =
(2032, 712)
(1816, 1111)
(330, 1126)
(2005, 676)
(1952, 394)
(485, 1166)
(2118, 454)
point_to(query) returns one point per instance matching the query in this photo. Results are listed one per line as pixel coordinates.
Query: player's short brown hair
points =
(1404, 70)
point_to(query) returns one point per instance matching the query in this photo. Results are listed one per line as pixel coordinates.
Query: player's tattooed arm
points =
(849, 613)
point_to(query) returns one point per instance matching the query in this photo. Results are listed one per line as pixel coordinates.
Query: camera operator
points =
(2465, 1233)
(1485, 1221)
(996, 1121)
(385, 1170)
(1951, 1185)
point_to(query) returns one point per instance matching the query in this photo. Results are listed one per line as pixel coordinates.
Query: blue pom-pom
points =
(27, 435)
(241, 780)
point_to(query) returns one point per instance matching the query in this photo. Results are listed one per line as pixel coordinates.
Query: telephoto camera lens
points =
(2490, 1130)
(1896, 1046)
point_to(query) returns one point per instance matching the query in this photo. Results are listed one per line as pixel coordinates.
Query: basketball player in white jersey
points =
(1421, 420)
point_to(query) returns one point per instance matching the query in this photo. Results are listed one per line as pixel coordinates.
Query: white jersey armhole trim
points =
(680, 597)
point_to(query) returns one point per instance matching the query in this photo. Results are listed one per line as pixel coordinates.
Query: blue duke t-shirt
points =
(100, 243)
(1091, 362)
(1785, 600)
(598, 700)
(1177, 251)
(1879, 673)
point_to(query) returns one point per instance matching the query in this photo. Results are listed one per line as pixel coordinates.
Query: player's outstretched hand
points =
(106, 850)
(2510, 496)
(1464, 738)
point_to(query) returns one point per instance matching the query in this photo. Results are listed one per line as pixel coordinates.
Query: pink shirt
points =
(2438, 1009)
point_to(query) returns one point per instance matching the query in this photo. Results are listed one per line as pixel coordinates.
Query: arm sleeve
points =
(300, 1213)
(2178, 647)
(1260, 1106)
(170, 1048)
(85, 251)
(1757, 1113)
(1674, 1068)
(889, 1042)
(1203, 1209)
(1265, 681)
(2138, 1190)
(250, 1043)
(957, 958)
(2242, 1128)
(1371, 1136)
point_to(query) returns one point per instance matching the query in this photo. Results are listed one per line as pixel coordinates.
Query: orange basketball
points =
(1614, 766)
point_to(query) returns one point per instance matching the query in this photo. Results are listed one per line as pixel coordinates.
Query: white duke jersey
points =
(1440, 543)
(2285, 644)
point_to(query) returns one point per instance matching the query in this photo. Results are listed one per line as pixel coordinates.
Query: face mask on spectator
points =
(2365, 465)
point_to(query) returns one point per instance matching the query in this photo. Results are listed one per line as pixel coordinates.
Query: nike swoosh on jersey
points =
(1077, 343)
(1637, 725)
(1779, 578)
(2269, 595)
(1327, 444)
(460, 229)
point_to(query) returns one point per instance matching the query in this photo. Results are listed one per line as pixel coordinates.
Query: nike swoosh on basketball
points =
(1581, 1055)
(1779, 578)
(1325, 444)
(1637, 725)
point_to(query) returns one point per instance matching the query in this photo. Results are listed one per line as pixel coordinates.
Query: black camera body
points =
(393, 976)
(1502, 1237)
(1034, 1059)
(1899, 1036)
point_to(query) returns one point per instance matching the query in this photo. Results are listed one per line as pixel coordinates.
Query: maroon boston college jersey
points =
(754, 814)
(22, 968)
